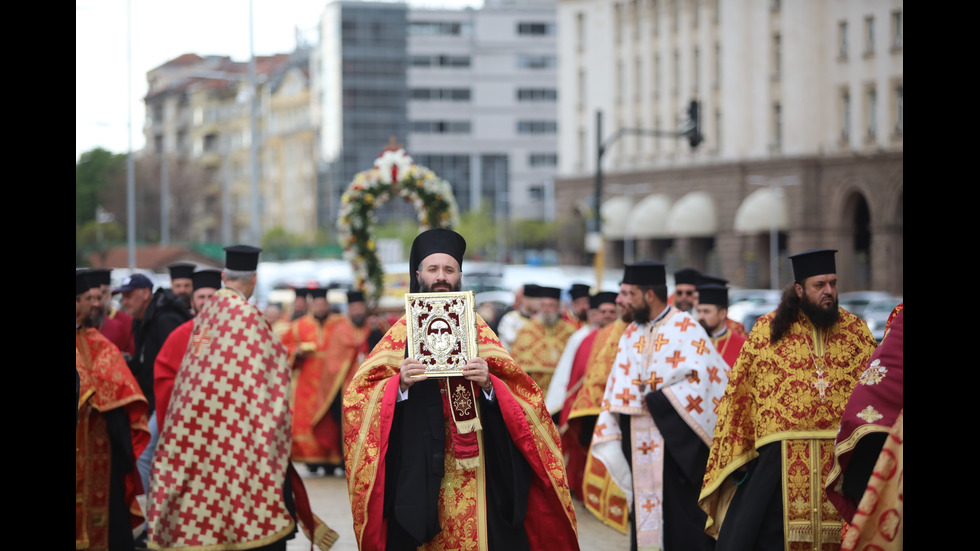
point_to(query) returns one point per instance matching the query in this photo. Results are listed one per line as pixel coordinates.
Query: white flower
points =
(398, 159)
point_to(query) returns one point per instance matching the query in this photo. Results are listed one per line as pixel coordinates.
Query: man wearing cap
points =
(321, 361)
(181, 280)
(110, 433)
(712, 310)
(155, 316)
(567, 381)
(685, 290)
(115, 325)
(206, 283)
(525, 306)
(542, 339)
(482, 470)
(653, 435)
(773, 444)
(222, 478)
(578, 310)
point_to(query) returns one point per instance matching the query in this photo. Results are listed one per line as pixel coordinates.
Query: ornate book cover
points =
(441, 331)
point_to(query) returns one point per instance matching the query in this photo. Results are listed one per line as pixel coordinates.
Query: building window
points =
(845, 116)
(869, 35)
(440, 61)
(872, 113)
(656, 76)
(439, 28)
(441, 94)
(697, 70)
(537, 127)
(654, 21)
(777, 125)
(899, 109)
(898, 29)
(617, 22)
(441, 127)
(536, 61)
(535, 29)
(717, 72)
(581, 88)
(211, 143)
(777, 56)
(538, 160)
(677, 72)
(580, 31)
(537, 94)
(842, 40)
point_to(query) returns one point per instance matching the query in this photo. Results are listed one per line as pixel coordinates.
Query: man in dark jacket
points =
(155, 316)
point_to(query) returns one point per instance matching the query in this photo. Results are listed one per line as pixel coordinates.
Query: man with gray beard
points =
(540, 341)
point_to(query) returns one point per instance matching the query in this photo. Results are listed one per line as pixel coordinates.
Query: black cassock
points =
(415, 467)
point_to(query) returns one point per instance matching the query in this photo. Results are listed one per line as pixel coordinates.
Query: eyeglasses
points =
(684, 292)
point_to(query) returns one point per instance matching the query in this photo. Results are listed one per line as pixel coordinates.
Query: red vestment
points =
(729, 345)
(118, 328)
(575, 452)
(369, 405)
(165, 367)
(324, 356)
(222, 460)
(105, 384)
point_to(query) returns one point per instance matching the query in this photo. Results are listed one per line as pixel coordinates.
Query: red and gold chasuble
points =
(221, 462)
(105, 384)
(369, 405)
(791, 393)
(874, 408)
(538, 348)
(673, 355)
(331, 349)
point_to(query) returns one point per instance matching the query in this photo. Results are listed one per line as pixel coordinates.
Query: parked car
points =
(856, 302)
(876, 315)
(748, 305)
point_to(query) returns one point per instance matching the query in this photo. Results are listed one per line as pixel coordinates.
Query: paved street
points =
(328, 496)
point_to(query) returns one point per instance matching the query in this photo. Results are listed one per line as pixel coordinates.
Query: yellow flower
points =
(370, 245)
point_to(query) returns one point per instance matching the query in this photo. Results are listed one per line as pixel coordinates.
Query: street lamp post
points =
(691, 130)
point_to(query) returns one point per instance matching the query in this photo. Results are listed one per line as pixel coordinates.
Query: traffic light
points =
(694, 136)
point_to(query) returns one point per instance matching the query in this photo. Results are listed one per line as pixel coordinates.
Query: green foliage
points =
(535, 234)
(95, 170)
(480, 231)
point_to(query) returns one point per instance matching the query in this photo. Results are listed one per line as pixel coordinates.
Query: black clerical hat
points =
(84, 281)
(242, 258)
(712, 293)
(436, 240)
(813, 262)
(645, 273)
(319, 292)
(181, 270)
(532, 290)
(355, 296)
(601, 298)
(578, 291)
(102, 276)
(686, 276)
(549, 292)
(711, 280)
(206, 279)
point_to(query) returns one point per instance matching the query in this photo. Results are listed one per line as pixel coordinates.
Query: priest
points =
(480, 471)
(774, 441)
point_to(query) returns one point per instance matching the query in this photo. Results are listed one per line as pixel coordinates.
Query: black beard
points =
(820, 316)
(358, 321)
(424, 288)
(706, 328)
(641, 314)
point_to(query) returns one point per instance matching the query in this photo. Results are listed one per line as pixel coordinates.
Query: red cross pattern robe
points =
(221, 463)
(672, 358)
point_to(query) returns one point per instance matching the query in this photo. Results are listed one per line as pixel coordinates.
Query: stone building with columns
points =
(802, 113)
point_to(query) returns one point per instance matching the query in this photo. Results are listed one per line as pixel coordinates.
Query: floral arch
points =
(394, 173)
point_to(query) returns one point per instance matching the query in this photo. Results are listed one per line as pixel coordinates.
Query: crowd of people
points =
(645, 406)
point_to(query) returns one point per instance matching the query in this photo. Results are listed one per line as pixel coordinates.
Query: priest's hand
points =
(478, 371)
(411, 371)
